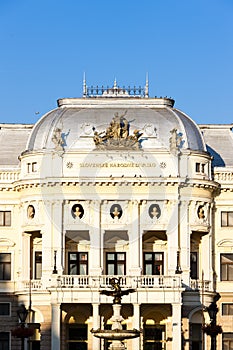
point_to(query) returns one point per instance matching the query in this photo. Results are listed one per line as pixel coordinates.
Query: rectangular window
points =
(226, 218)
(153, 263)
(203, 168)
(227, 341)
(115, 263)
(5, 266)
(4, 309)
(28, 167)
(198, 167)
(227, 309)
(226, 261)
(77, 263)
(193, 265)
(34, 167)
(4, 340)
(38, 265)
(5, 218)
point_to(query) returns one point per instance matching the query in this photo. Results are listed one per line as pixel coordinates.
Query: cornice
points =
(121, 182)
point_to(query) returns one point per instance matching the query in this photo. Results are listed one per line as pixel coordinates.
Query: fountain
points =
(116, 334)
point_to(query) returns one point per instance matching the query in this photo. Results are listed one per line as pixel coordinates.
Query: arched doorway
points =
(155, 318)
(76, 322)
(195, 330)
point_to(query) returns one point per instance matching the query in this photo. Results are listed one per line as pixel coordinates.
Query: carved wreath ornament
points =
(117, 135)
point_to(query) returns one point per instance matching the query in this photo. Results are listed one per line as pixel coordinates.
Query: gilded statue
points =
(117, 134)
(116, 292)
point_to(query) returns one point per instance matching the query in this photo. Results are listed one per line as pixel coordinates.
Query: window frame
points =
(5, 315)
(4, 212)
(9, 338)
(226, 212)
(225, 334)
(227, 268)
(34, 167)
(37, 254)
(227, 306)
(78, 262)
(153, 263)
(6, 263)
(116, 262)
(192, 264)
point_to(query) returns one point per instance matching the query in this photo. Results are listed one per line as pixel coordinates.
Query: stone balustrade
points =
(102, 282)
(85, 281)
(201, 285)
(9, 176)
(223, 176)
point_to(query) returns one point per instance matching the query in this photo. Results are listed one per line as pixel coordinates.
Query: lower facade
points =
(67, 325)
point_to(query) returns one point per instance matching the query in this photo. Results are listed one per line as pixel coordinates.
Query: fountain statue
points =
(116, 334)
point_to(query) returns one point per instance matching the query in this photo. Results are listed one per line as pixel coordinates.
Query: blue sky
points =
(186, 46)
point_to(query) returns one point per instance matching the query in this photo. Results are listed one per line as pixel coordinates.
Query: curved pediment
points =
(4, 242)
(225, 243)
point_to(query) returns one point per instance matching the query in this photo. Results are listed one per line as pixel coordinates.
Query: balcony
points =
(68, 281)
(200, 285)
(99, 282)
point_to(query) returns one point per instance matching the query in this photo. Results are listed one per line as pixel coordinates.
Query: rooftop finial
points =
(115, 84)
(147, 86)
(84, 85)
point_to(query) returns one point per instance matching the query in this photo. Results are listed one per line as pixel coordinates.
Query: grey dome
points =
(77, 119)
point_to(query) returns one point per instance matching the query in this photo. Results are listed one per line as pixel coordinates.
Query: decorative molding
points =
(225, 243)
(4, 242)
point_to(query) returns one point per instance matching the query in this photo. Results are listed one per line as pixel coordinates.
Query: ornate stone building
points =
(116, 184)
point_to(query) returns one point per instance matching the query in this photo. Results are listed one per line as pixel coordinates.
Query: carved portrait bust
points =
(77, 211)
(154, 211)
(30, 212)
(116, 211)
(201, 212)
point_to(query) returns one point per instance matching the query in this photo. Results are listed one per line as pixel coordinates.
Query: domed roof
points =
(77, 120)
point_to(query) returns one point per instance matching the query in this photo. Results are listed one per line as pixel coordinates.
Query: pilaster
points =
(56, 247)
(25, 256)
(172, 236)
(136, 324)
(96, 325)
(176, 326)
(95, 238)
(134, 240)
(184, 242)
(55, 326)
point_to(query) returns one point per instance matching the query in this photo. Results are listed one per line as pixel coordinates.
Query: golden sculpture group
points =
(117, 135)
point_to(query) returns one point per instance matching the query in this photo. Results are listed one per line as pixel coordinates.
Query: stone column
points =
(172, 236)
(134, 236)
(55, 326)
(95, 238)
(184, 242)
(25, 258)
(176, 326)
(207, 246)
(136, 324)
(47, 255)
(95, 325)
(57, 235)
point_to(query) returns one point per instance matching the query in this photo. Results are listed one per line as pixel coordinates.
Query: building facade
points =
(116, 184)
